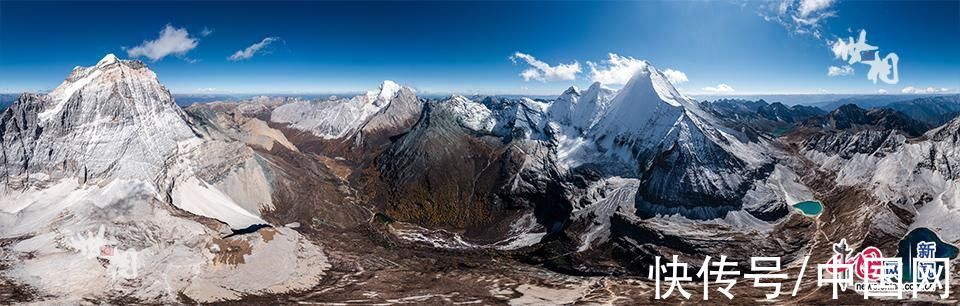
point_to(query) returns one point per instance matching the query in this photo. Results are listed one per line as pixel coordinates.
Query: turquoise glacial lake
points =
(809, 208)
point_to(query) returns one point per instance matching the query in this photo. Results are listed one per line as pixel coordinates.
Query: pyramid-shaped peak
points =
(99, 82)
(595, 86)
(649, 84)
(387, 90)
(108, 59)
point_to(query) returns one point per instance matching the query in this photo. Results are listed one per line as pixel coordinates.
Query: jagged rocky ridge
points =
(483, 168)
(687, 161)
(94, 112)
(109, 188)
(475, 165)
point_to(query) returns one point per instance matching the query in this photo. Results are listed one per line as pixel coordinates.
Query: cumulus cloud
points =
(675, 77)
(617, 70)
(881, 91)
(808, 7)
(928, 90)
(799, 16)
(721, 88)
(839, 71)
(543, 72)
(172, 40)
(206, 32)
(252, 50)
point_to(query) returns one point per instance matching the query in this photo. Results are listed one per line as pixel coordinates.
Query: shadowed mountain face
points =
(393, 120)
(850, 130)
(934, 111)
(465, 166)
(756, 118)
(851, 116)
(687, 161)
(746, 110)
(116, 108)
(107, 179)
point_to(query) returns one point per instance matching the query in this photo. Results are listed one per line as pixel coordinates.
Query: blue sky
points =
(442, 47)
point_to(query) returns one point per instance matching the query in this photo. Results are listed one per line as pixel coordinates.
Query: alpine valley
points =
(113, 193)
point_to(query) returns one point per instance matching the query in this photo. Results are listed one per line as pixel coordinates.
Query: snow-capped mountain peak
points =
(338, 118)
(108, 77)
(644, 110)
(119, 101)
(108, 59)
(114, 122)
(581, 109)
(592, 105)
(648, 85)
(596, 86)
(650, 131)
(562, 108)
(387, 90)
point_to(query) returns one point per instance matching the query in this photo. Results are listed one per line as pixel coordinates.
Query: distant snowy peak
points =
(572, 91)
(395, 118)
(469, 114)
(388, 89)
(592, 105)
(380, 97)
(338, 118)
(562, 108)
(597, 89)
(522, 118)
(581, 109)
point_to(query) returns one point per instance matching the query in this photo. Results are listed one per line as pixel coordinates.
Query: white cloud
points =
(799, 16)
(531, 74)
(808, 7)
(839, 71)
(928, 90)
(206, 89)
(881, 91)
(675, 77)
(543, 72)
(252, 50)
(172, 40)
(206, 32)
(616, 69)
(721, 88)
